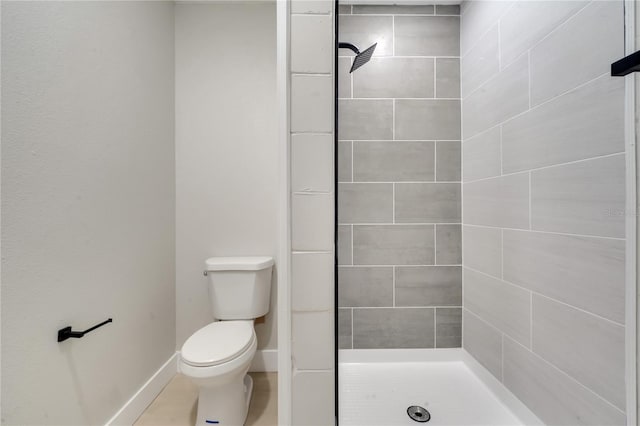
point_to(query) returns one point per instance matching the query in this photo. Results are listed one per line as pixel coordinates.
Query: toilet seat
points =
(218, 343)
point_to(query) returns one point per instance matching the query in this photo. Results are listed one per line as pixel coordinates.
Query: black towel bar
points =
(66, 333)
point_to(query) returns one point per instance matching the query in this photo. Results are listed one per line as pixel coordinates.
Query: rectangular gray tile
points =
(584, 272)
(344, 77)
(477, 18)
(344, 9)
(561, 332)
(312, 103)
(309, 407)
(310, 156)
(312, 281)
(428, 286)
(427, 202)
(344, 329)
(365, 203)
(501, 201)
(502, 305)
(586, 122)
(447, 9)
(312, 222)
(378, 328)
(365, 286)
(393, 244)
(447, 77)
(482, 249)
(448, 165)
(578, 51)
(393, 161)
(395, 78)
(363, 31)
(311, 6)
(427, 35)
(427, 119)
(585, 198)
(426, 9)
(481, 155)
(483, 342)
(448, 244)
(312, 47)
(368, 119)
(481, 63)
(553, 396)
(502, 97)
(517, 35)
(344, 246)
(344, 161)
(448, 327)
(319, 325)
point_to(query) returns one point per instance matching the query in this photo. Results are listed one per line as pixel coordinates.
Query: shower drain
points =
(418, 414)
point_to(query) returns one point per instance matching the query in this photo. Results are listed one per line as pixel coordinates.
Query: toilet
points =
(217, 357)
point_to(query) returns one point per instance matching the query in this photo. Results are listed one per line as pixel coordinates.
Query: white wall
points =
(226, 148)
(88, 205)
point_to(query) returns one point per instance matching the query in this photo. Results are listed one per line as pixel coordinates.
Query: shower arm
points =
(349, 46)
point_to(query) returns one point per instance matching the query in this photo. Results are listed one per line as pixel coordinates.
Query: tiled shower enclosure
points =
(399, 191)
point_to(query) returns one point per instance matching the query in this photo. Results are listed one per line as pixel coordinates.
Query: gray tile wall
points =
(543, 190)
(399, 173)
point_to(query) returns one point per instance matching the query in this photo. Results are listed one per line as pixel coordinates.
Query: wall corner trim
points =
(136, 405)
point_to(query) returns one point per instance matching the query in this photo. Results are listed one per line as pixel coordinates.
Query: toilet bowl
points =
(217, 357)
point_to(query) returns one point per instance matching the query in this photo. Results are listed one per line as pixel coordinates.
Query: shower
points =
(361, 57)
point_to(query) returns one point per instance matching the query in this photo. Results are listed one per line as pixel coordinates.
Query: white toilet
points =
(217, 357)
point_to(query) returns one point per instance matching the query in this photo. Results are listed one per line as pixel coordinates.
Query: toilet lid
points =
(217, 343)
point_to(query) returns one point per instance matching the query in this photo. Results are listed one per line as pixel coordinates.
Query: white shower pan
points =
(377, 386)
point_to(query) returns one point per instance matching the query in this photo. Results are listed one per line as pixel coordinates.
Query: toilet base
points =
(225, 405)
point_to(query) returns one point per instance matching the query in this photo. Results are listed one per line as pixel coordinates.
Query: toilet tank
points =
(239, 287)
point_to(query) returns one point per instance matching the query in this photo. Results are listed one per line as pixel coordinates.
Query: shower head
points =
(361, 57)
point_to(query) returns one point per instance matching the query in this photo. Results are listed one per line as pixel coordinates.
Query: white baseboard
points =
(139, 402)
(266, 360)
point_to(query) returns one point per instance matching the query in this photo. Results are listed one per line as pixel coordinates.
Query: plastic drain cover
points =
(418, 414)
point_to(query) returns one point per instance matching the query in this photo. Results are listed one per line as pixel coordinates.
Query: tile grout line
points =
(419, 265)
(394, 285)
(353, 161)
(581, 85)
(565, 374)
(352, 327)
(435, 244)
(535, 169)
(352, 244)
(529, 200)
(610, 321)
(435, 78)
(435, 328)
(393, 35)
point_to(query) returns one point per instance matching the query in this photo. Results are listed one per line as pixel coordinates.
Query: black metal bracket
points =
(66, 333)
(626, 65)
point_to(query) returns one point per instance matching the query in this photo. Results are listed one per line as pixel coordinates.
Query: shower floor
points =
(374, 392)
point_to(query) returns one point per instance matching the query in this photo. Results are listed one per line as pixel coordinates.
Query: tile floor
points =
(176, 404)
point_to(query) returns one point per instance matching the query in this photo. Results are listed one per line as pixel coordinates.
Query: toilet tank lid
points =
(247, 263)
